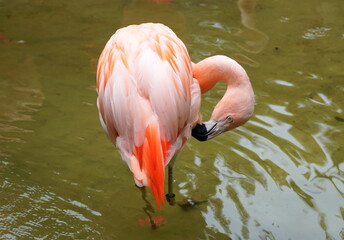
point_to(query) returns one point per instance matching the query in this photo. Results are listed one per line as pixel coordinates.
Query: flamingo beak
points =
(206, 131)
(210, 129)
(200, 132)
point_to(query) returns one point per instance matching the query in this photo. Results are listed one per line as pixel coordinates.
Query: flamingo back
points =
(147, 99)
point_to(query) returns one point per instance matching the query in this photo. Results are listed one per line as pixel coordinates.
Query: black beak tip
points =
(200, 132)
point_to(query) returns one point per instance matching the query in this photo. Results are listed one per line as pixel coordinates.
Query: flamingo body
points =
(148, 100)
(149, 96)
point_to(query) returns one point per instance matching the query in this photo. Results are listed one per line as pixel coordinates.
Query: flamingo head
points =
(223, 120)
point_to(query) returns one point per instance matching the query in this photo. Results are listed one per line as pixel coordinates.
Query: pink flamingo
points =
(149, 96)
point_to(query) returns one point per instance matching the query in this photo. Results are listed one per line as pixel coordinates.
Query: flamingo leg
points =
(148, 208)
(170, 196)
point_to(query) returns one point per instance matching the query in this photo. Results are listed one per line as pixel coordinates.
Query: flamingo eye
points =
(229, 119)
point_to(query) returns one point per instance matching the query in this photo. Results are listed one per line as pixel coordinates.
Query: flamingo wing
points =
(148, 101)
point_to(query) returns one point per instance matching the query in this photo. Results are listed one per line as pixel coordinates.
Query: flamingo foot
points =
(191, 202)
(171, 199)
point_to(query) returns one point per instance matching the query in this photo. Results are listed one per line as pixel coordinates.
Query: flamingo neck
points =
(218, 68)
(238, 100)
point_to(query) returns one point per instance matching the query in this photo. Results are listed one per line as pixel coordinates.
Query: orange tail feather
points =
(152, 155)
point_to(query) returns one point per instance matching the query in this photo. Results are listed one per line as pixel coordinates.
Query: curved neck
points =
(218, 68)
(238, 100)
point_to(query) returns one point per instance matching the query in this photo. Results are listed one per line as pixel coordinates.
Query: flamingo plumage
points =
(149, 99)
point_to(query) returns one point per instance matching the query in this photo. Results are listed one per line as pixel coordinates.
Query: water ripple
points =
(26, 210)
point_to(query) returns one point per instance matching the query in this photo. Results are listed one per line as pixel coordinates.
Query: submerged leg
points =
(148, 208)
(170, 196)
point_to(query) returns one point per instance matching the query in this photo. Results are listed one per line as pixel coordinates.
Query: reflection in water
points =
(148, 209)
(255, 40)
(252, 40)
(220, 33)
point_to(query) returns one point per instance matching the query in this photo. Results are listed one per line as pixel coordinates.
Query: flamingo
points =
(149, 97)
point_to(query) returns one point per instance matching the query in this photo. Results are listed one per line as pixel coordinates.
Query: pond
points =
(280, 176)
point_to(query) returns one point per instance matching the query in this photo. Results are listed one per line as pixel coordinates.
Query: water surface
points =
(280, 176)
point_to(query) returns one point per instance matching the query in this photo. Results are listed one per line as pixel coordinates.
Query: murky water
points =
(281, 176)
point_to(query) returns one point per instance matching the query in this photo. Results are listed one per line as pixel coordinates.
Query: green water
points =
(280, 176)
